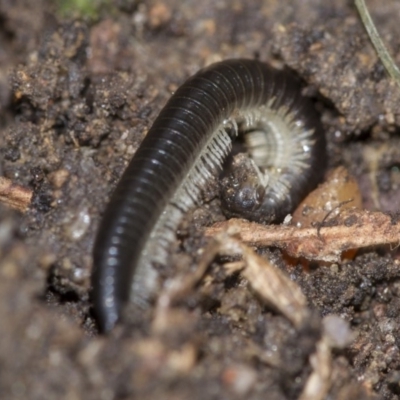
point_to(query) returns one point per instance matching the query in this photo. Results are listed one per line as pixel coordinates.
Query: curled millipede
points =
(190, 141)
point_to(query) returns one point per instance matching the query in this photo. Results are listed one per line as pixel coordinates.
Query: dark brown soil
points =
(77, 97)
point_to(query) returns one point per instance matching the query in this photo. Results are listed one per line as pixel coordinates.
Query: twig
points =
(353, 229)
(336, 334)
(318, 383)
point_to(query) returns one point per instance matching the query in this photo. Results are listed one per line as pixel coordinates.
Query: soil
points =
(76, 98)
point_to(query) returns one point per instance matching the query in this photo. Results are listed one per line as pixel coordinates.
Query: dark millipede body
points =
(189, 141)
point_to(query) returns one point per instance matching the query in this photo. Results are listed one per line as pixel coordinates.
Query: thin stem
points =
(380, 48)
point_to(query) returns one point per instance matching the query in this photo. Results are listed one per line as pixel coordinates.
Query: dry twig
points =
(336, 334)
(319, 381)
(352, 229)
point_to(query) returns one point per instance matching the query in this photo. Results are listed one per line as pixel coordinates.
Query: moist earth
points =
(77, 96)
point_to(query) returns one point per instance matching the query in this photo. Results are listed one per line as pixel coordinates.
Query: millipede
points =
(188, 142)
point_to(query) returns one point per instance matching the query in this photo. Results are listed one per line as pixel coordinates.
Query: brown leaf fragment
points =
(338, 192)
(271, 285)
(15, 196)
(274, 287)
